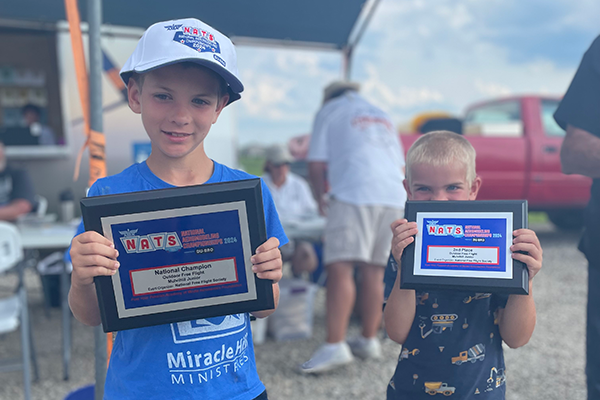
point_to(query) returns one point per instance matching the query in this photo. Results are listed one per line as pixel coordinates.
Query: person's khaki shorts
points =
(359, 233)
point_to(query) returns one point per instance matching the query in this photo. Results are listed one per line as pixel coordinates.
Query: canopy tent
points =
(313, 23)
(329, 25)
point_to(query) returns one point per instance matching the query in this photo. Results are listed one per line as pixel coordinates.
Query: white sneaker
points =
(365, 348)
(327, 357)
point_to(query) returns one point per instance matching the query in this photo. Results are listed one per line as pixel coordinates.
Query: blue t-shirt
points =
(202, 359)
(454, 347)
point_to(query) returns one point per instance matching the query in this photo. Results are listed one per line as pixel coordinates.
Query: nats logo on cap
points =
(198, 39)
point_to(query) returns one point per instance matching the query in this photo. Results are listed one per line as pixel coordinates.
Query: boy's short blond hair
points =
(441, 148)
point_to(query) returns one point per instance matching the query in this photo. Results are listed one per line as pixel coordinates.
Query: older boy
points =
(179, 78)
(441, 166)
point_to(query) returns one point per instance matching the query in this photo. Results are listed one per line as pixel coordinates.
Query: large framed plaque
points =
(465, 245)
(184, 253)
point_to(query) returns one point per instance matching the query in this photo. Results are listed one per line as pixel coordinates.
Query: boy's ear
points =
(475, 186)
(220, 106)
(133, 96)
(407, 188)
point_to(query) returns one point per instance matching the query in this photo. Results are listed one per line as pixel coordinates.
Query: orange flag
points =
(95, 140)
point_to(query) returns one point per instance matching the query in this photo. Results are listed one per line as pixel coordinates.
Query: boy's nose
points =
(180, 116)
(439, 196)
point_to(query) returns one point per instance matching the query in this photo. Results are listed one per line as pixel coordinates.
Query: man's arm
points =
(317, 172)
(14, 209)
(580, 153)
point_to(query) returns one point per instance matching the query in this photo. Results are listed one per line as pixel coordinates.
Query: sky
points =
(421, 55)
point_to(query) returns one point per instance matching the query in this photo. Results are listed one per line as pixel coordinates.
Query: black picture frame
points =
(416, 256)
(217, 207)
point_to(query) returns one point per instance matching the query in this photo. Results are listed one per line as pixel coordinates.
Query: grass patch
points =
(538, 217)
(252, 165)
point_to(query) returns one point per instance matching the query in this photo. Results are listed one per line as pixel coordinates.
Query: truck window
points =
(498, 119)
(551, 128)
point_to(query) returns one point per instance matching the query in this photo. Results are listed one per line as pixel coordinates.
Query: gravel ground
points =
(550, 367)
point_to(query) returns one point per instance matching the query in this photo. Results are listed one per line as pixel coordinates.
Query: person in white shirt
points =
(356, 153)
(294, 201)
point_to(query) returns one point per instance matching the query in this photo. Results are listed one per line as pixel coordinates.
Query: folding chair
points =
(14, 312)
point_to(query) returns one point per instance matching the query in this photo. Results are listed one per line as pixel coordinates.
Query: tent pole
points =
(95, 80)
(348, 50)
(347, 53)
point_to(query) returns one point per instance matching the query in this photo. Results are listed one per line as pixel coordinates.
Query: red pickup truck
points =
(518, 155)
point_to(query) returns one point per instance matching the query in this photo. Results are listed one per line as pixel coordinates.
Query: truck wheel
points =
(432, 392)
(566, 219)
(447, 393)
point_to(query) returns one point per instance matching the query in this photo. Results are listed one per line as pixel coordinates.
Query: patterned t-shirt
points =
(454, 347)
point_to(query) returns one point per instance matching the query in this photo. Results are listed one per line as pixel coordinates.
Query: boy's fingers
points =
(265, 256)
(533, 265)
(271, 264)
(526, 236)
(398, 222)
(85, 275)
(399, 236)
(93, 261)
(271, 275)
(100, 271)
(403, 227)
(270, 244)
(530, 248)
(398, 248)
(98, 249)
(92, 237)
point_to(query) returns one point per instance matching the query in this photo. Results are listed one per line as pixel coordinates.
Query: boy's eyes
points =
(427, 189)
(162, 96)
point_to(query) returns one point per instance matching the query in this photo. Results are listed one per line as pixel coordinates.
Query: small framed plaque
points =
(465, 245)
(184, 253)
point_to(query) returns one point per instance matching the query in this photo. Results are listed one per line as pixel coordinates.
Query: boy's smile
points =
(178, 105)
(448, 182)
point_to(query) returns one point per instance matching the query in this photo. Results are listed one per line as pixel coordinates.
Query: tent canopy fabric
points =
(307, 22)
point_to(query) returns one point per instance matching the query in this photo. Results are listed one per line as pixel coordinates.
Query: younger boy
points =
(179, 78)
(441, 166)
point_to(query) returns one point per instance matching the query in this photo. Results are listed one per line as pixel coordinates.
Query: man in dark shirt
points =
(579, 115)
(17, 196)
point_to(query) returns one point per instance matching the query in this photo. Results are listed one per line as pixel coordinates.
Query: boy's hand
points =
(526, 240)
(266, 262)
(403, 235)
(92, 255)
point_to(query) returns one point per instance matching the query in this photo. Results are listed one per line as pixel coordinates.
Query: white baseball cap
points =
(278, 154)
(181, 40)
